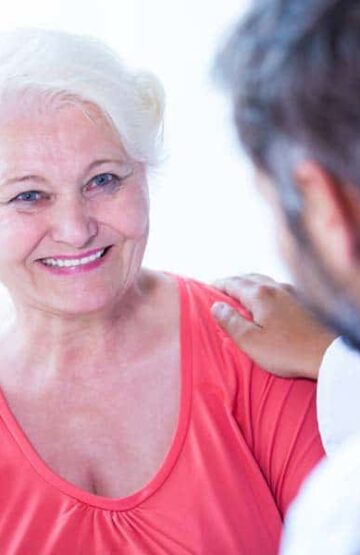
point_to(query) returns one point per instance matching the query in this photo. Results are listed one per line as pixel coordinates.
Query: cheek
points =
(286, 245)
(131, 216)
(18, 237)
(284, 239)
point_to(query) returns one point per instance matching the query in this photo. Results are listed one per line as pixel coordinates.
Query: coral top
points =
(243, 444)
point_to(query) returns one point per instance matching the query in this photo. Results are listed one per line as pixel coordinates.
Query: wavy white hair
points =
(51, 65)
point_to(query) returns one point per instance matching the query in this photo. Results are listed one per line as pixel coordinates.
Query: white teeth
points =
(69, 263)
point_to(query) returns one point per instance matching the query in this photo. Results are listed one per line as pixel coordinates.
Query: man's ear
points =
(331, 215)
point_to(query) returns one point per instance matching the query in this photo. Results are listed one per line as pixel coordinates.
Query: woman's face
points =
(68, 190)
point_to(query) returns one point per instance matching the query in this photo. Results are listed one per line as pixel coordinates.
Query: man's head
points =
(293, 70)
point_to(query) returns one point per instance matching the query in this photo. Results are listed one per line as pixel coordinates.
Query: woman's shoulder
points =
(260, 401)
(205, 292)
(251, 377)
(213, 350)
(203, 295)
(194, 300)
(173, 288)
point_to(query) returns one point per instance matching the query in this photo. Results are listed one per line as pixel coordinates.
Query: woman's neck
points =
(43, 346)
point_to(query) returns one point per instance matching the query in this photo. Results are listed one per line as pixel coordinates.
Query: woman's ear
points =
(331, 215)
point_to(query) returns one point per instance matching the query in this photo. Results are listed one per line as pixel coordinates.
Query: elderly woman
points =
(129, 422)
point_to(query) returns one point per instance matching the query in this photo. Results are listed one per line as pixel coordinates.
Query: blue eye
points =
(104, 179)
(28, 196)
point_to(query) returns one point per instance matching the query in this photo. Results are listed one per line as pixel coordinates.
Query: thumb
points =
(232, 322)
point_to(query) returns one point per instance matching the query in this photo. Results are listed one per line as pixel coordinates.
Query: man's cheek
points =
(286, 246)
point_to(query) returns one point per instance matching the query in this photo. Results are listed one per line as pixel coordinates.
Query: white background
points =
(207, 218)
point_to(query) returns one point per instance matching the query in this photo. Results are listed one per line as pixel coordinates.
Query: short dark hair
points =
(293, 70)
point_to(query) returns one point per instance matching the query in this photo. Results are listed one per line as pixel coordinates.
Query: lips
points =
(68, 261)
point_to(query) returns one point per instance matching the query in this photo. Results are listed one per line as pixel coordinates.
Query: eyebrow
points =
(32, 177)
(22, 179)
(120, 161)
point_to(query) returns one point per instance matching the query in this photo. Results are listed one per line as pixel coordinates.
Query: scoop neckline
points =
(168, 463)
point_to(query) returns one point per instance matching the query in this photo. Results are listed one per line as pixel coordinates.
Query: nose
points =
(73, 224)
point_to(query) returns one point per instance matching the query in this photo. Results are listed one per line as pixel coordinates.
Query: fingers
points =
(240, 286)
(250, 279)
(236, 287)
(231, 321)
(289, 288)
(253, 294)
(248, 286)
(260, 279)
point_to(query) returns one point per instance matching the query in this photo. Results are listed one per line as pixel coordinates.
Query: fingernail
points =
(220, 310)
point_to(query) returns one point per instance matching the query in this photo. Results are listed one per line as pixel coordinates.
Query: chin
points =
(81, 304)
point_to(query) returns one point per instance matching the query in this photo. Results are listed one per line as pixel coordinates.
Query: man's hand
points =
(284, 338)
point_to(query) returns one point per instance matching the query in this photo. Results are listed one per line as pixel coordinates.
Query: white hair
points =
(56, 64)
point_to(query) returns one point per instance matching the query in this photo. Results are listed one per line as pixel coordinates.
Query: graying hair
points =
(54, 65)
(293, 71)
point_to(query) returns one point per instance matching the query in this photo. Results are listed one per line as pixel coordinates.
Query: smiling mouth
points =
(74, 262)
